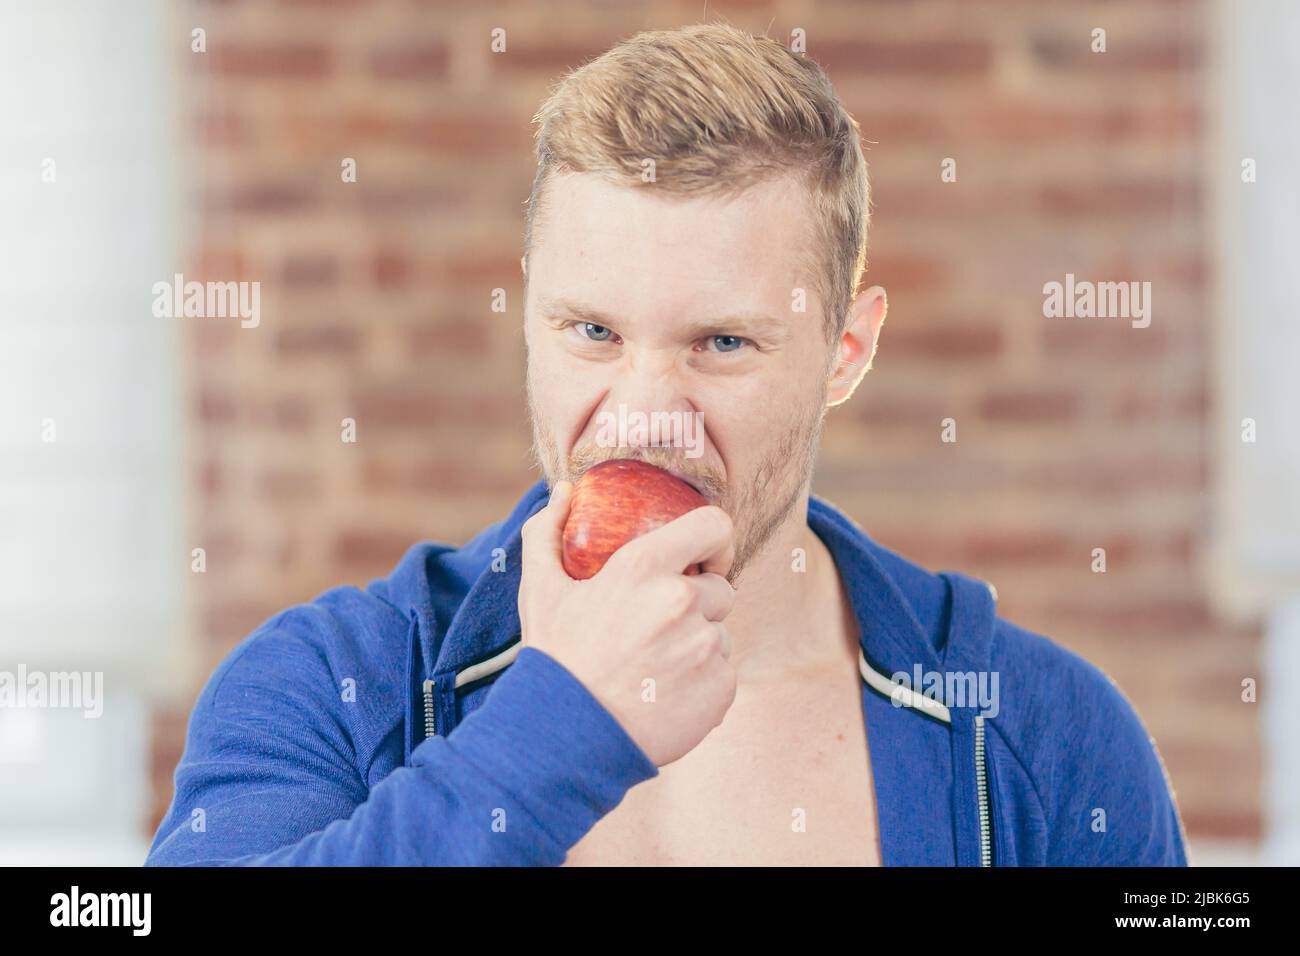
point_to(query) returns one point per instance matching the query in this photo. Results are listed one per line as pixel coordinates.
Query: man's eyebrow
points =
(574, 310)
(748, 324)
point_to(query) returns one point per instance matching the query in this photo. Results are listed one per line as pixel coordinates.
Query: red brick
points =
(167, 728)
(266, 60)
(905, 126)
(410, 62)
(1033, 548)
(1023, 547)
(211, 339)
(220, 130)
(328, 6)
(312, 271)
(1148, 405)
(1030, 405)
(1152, 618)
(262, 198)
(1131, 199)
(1190, 271)
(209, 477)
(405, 200)
(288, 555)
(552, 57)
(462, 477)
(217, 407)
(224, 549)
(1119, 474)
(490, 270)
(965, 58)
(319, 340)
(392, 270)
(1124, 54)
(1104, 338)
(216, 265)
(873, 409)
(291, 413)
(397, 406)
(371, 548)
(468, 135)
(928, 547)
(468, 335)
(900, 273)
(1048, 123)
(288, 484)
(1218, 823)
(936, 341)
(227, 622)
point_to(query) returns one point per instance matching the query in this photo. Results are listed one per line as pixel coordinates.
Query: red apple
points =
(616, 501)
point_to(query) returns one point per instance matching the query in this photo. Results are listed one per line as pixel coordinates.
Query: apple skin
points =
(618, 500)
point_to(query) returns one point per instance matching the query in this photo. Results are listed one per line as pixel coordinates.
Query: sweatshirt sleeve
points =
(1115, 805)
(269, 782)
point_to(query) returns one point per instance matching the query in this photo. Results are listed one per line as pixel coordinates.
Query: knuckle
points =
(718, 521)
(721, 517)
(677, 595)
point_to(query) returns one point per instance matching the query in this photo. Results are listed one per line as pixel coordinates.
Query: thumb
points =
(543, 533)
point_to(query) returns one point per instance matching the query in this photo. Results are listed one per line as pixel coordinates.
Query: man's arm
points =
(267, 778)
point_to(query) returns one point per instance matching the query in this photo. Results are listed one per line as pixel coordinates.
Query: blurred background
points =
(166, 484)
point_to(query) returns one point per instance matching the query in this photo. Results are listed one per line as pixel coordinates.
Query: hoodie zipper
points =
(884, 686)
(982, 794)
(430, 716)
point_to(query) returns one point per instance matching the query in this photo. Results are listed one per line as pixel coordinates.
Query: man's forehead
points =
(594, 195)
(603, 242)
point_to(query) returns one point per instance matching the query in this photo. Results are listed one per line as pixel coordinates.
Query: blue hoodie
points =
(405, 724)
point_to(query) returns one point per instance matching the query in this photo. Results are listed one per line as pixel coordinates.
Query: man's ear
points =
(857, 346)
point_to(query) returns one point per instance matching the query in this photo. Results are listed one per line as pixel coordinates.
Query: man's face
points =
(683, 305)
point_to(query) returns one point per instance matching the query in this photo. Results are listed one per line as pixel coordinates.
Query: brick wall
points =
(1071, 435)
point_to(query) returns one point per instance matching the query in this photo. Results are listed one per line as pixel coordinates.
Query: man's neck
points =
(786, 618)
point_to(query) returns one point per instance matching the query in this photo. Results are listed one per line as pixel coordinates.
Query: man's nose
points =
(649, 386)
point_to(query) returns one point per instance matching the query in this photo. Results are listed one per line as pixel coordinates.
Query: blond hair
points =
(717, 110)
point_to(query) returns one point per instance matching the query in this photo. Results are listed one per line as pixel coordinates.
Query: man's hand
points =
(639, 619)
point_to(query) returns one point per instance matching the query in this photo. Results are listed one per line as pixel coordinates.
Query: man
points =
(696, 235)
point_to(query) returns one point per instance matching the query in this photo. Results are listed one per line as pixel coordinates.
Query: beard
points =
(758, 507)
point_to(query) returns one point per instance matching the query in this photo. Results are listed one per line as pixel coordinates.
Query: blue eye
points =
(728, 343)
(598, 333)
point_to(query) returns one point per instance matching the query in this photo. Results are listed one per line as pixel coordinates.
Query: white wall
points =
(1256, 565)
(92, 559)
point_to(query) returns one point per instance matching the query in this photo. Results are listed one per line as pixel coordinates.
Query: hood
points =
(467, 612)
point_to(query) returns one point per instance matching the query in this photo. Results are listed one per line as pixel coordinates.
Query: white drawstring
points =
(905, 695)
